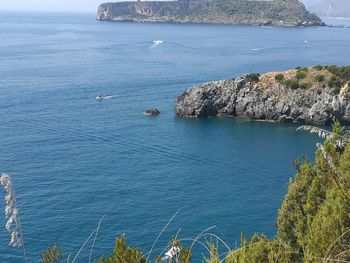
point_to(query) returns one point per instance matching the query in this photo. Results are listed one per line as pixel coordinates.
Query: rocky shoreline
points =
(266, 98)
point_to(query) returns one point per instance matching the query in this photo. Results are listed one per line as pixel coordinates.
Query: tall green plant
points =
(124, 254)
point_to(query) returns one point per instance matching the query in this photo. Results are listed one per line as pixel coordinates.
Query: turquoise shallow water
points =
(74, 159)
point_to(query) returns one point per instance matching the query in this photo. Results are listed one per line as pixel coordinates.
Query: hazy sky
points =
(63, 5)
(54, 5)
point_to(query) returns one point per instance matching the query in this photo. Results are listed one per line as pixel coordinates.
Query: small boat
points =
(99, 98)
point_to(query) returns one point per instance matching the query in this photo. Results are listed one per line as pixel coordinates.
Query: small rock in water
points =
(152, 112)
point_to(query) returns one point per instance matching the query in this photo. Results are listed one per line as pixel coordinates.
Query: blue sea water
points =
(74, 159)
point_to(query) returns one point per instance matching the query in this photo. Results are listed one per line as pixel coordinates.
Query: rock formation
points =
(269, 99)
(152, 112)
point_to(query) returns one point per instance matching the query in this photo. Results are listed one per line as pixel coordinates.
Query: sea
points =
(76, 161)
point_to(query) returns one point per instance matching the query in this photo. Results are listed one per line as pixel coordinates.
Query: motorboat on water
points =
(99, 98)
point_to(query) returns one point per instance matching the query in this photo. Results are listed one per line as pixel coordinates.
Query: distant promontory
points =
(250, 12)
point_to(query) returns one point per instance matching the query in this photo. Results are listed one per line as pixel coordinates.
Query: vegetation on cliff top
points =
(310, 77)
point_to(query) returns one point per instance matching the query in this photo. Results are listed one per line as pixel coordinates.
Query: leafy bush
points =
(123, 253)
(314, 217)
(318, 67)
(335, 82)
(53, 254)
(320, 78)
(305, 85)
(279, 77)
(254, 77)
(300, 75)
(291, 83)
(260, 250)
(304, 69)
(343, 73)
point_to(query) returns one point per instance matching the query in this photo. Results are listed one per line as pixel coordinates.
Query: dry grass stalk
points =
(13, 223)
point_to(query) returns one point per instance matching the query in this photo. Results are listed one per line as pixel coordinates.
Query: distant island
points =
(317, 95)
(332, 8)
(249, 12)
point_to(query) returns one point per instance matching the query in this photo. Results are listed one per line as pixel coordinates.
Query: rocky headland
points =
(317, 95)
(258, 12)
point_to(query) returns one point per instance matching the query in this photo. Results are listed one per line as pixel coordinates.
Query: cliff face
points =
(260, 12)
(266, 99)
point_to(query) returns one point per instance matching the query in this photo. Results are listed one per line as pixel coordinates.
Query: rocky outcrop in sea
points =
(269, 99)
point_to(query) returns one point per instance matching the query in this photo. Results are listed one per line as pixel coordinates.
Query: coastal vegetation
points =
(317, 76)
(254, 77)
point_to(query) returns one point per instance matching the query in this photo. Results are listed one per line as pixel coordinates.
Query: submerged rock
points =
(152, 112)
(268, 99)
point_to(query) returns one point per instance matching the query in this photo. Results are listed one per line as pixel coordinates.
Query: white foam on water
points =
(109, 97)
(105, 97)
(157, 43)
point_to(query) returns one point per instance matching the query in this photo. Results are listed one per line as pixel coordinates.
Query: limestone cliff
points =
(257, 12)
(317, 96)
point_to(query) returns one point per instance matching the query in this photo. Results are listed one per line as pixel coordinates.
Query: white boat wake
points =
(99, 98)
(157, 43)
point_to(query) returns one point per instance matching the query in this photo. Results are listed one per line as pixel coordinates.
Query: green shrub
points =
(335, 82)
(320, 78)
(343, 73)
(53, 254)
(291, 83)
(255, 77)
(260, 250)
(304, 69)
(123, 253)
(279, 77)
(333, 69)
(300, 75)
(318, 67)
(314, 217)
(305, 85)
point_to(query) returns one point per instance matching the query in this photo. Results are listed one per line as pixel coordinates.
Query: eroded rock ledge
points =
(306, 95)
